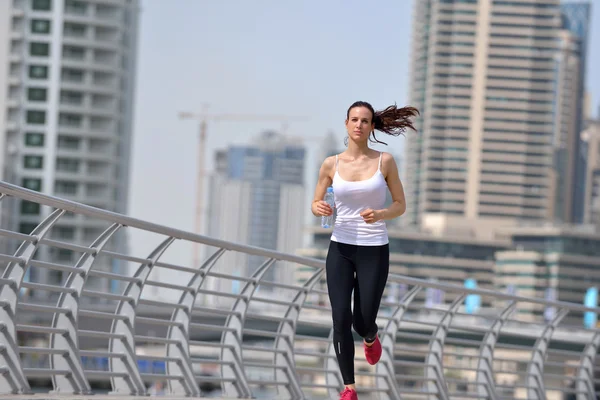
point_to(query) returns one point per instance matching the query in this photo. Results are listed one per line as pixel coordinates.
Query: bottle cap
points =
(330, 189)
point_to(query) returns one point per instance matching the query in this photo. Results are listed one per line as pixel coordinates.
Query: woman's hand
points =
(371, 216)
(322, 209)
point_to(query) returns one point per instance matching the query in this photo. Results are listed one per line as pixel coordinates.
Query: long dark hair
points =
(392, 121)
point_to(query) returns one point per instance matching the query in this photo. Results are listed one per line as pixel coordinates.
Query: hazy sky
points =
(309, 58)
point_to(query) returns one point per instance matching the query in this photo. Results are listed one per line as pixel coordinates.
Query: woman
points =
(358, 256)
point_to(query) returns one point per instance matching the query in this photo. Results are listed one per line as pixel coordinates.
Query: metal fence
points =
(81, 317)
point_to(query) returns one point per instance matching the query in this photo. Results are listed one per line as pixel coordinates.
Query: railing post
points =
(486, 385)
(76, 382)
(14, 380)
(284, 344)
(385, 366)
(186, 386)
(231, 352)
(434, 368)
(535, 370)
(585, 374)
(131, 383)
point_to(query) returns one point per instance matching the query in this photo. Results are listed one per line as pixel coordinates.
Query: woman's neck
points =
(356, 150)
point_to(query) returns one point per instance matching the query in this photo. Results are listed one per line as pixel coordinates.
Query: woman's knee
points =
(364, 328)
(342, 320)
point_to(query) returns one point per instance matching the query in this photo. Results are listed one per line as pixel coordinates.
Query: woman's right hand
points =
(322, 209)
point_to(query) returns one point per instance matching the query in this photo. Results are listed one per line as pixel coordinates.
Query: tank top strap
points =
(380, 157)
(336, 163)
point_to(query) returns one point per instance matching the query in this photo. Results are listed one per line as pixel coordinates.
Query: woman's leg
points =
(340, 282)
(372, 268)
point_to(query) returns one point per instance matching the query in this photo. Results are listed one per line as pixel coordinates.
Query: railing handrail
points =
(68, 205)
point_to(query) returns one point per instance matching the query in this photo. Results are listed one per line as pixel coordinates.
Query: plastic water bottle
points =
(327, 221)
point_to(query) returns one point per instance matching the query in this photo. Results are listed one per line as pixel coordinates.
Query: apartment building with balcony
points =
(67, 73)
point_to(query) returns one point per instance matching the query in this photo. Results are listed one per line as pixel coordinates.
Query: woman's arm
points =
(319, 207)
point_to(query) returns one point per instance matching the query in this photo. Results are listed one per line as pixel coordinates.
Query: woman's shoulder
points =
(329, 163)
(388, 163)
(386, 157)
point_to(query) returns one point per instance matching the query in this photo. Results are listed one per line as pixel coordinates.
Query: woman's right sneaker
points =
(348, 394)
(373, 352)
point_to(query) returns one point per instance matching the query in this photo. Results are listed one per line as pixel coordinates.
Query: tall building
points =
(67, 73)
(257, 198)
(576, 18)
(498, 85)
(591, 140)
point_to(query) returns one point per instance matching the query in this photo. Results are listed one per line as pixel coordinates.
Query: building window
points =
(41, 5)
(67, 164)
(32, 184)
(65, 187)
(37, 94)
(73, 120)
(71, 97)
(33, 162)
(72, 75)
(30, 208)
(68, 142)
(64, 232)
(40, 26)
(74, 30)
(36, 117)
(34, 139)
(38, 71)
(74, 52)
(39, 49)
(75, 7)
(64, 255)
(27, 228)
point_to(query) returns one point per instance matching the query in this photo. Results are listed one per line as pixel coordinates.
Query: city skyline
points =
(280, 66)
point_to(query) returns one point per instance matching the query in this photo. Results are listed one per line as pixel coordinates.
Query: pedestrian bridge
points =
(81, 315)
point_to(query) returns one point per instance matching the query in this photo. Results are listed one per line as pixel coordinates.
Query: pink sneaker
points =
(348, 394)
(373, 352)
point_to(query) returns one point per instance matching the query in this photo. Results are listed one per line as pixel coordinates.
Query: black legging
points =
(364, 269)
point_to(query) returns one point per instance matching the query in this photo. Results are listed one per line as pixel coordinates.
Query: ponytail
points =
(392, 121)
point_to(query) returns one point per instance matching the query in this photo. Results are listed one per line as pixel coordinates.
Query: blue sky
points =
(308, 58)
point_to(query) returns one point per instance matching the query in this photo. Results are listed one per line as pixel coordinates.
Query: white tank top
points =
(351, 198)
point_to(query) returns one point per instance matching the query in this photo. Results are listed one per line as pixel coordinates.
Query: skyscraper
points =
(497, 83)
(257, 198)
(591, 140)
(67, 70)
(576, 17)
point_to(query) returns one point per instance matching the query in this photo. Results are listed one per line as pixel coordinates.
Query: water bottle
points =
(327, 221)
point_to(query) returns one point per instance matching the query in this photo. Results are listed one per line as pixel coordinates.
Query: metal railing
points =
(251, 322)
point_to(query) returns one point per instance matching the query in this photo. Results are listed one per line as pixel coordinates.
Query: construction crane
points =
(203, 118)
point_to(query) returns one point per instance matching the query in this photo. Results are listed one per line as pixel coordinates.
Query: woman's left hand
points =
(370, 216)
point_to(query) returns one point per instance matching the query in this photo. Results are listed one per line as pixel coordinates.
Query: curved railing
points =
(79, 314)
